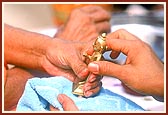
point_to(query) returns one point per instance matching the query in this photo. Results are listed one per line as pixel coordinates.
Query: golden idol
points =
(99, 47)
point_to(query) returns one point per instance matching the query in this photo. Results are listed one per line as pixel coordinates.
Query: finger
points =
(69, 74)
(67, 103)
(108, 69)
(103, 26)
(52, 108)
(121, 41)
(100, 15)
(121, 45)
(88, 86)
(75, 61)
(121, 34)
(92, 78)
(90, 50)
(97, 13)
(80, 69)
(55, 71)
(91, 8)
(92, 82)
(93, 91)
(114, 54)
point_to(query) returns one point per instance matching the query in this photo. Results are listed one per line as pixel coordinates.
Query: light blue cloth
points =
(39, 93)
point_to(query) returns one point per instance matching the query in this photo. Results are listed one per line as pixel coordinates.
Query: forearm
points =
(24, 48)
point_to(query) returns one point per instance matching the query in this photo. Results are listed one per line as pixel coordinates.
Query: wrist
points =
(49, 58)
(43, 61)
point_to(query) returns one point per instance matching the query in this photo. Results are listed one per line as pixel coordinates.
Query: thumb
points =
(107, 68)
(80, 69)
(67, 103)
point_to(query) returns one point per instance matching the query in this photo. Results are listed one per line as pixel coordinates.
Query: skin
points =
(149, 82)
(85, 24)
(76, 29)
(42, 57)
(13, 91)
(67, 103)
(43, 62)
(133, 68)
(142, 72)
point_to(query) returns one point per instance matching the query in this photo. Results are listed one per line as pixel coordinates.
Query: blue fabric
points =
(39, 93)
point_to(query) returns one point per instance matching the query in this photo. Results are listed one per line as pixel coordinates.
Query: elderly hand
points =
(85, 24)
(142, 71)
(66, 58)
(54, 56)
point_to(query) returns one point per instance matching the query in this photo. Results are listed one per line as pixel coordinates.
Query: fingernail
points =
(93, 67)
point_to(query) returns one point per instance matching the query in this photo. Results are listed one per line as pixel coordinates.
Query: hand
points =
(85, 24)
(66, 58)
(142, 71)
(66, 102)
(92, 85)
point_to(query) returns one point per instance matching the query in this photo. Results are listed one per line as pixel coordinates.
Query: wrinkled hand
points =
(142, 71)
(65, 58)
(85, 24)
(66, 102)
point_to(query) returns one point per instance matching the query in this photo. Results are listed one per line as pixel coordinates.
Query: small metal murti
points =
(99, 47)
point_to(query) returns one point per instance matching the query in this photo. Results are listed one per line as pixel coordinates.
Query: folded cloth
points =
(39, 93)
